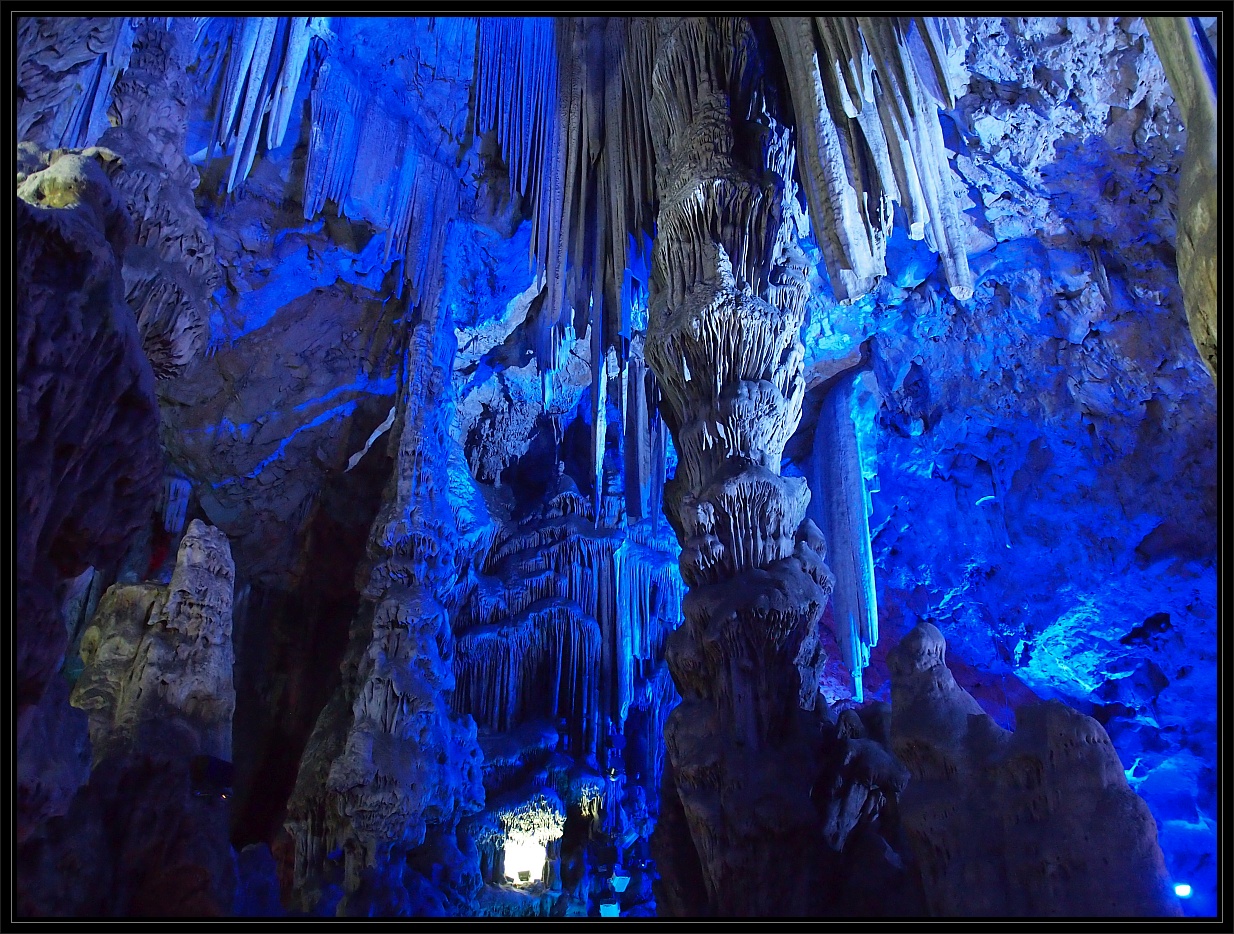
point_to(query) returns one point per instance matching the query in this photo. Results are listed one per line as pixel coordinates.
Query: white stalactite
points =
(843, 508)
(889, 77)
(265, 63)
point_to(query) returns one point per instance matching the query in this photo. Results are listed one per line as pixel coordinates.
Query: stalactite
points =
(843, 510)
(517, 97)
(266, 56)
(300, 36)
(510, 672)
(649, 596)
(66, 69)
(558, 104)
(637, 434)
(1191, 69)
(867, 90)
(353, 141)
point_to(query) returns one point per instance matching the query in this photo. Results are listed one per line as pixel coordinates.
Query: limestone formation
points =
(1035, 822)
(265, 61)
(66, 69)
(169, 270)
(1191, 65)
(149, 832)
(549, 283)
(867, 91)
(86, 430)
(53, 761)
(728, 291)
(549, 630)
(157, 655)
(844, 511)
(389, 766)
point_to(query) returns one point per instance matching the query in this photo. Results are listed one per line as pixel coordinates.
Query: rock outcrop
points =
(86, 429)
(157, 656)
(148, 834)
(1038, 822)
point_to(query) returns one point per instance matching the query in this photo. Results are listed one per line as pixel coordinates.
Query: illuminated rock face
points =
(728, 291)
(1035, 822)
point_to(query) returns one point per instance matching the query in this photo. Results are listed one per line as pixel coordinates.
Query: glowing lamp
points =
(1182, 890)
(610, 910)
(619, 882)
(525, 857)
(530, 826)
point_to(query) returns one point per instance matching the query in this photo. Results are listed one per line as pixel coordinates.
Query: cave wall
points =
(278, 204)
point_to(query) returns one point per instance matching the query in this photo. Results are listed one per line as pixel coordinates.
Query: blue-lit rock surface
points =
(449, 631)
(1046, 452)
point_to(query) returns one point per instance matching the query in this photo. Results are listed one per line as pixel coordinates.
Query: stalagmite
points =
(1035, 822)
(843, 505)
(389, 766)
(162, 654)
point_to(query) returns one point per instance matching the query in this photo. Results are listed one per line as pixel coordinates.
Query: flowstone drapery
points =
(728, 291)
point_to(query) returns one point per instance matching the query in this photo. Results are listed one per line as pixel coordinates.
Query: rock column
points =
(389, 768)
(728, 293)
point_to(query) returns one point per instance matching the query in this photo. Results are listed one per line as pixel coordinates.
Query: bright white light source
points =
(524, 859)
(1182, 890)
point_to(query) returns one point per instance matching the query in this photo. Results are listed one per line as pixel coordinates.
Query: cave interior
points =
(616, 466)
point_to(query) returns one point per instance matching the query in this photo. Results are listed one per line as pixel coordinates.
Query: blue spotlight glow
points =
(1182, 890)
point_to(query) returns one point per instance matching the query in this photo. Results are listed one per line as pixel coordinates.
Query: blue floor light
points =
(1182, 890)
